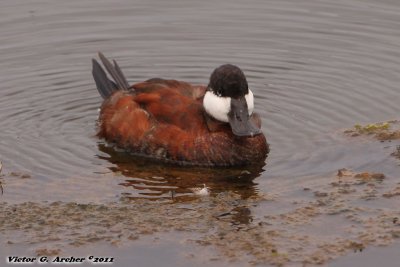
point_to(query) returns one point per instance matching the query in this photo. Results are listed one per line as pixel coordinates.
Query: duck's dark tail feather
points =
(105, 86)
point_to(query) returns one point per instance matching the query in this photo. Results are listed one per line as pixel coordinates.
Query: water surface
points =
(315, 67)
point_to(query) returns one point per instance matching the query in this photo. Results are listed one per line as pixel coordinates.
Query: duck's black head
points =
(228, 99)
(228, 81)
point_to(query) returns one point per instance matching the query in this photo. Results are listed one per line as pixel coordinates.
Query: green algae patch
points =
(382, 131)
(372, 128)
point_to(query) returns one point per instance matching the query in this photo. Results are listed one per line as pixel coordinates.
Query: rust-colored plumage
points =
(166, 120)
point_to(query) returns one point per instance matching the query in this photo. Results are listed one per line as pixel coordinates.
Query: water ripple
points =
(314, 66)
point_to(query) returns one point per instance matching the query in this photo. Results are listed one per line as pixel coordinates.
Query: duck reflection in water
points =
(154, 180)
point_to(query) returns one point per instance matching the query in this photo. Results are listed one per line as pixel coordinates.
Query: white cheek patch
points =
(217, 106)
(250, 101)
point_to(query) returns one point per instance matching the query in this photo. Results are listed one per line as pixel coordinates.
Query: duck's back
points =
(172, 102)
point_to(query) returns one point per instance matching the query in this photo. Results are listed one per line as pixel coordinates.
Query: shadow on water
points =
(155, 180)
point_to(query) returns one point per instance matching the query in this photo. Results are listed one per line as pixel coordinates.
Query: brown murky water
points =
(316, 68)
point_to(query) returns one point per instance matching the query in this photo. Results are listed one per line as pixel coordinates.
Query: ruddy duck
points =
(174, 121)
